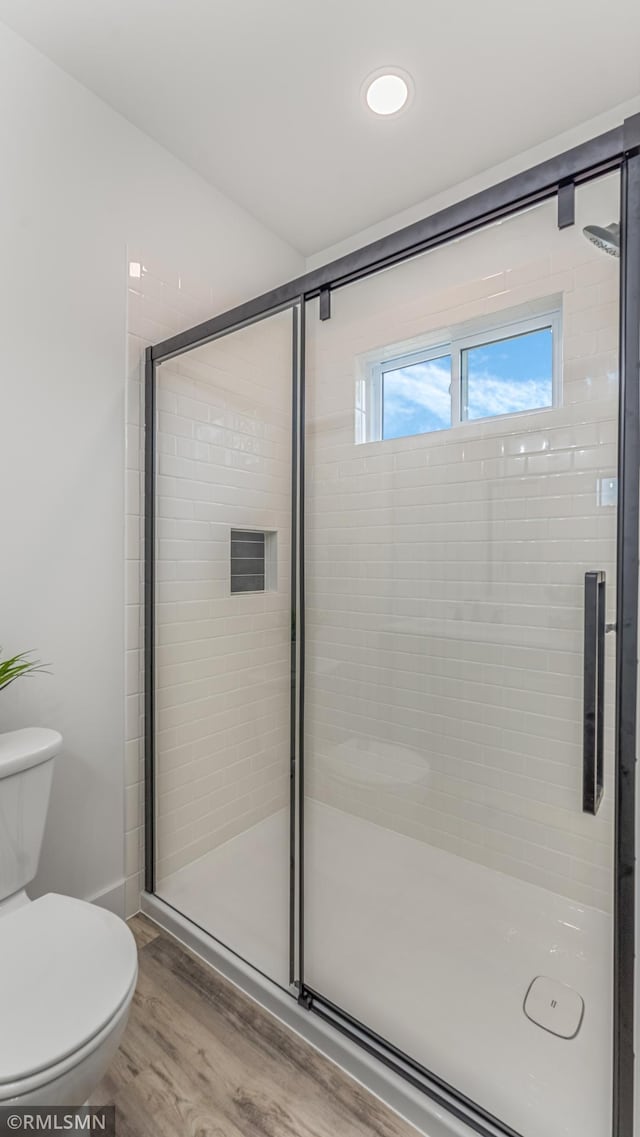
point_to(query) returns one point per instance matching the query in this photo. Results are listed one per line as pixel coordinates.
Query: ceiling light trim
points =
(380, 73)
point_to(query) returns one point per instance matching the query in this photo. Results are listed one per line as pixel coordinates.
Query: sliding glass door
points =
(391, 577)
(460, 570)
(223, 604)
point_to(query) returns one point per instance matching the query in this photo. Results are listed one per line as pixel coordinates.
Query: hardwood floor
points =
(200, 1059)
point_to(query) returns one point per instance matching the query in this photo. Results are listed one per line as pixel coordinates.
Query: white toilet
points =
(68, 969)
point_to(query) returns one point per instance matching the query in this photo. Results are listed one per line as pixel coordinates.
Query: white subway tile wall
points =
(223, 658)
(445, 571)
(160, 303)
(473, 544)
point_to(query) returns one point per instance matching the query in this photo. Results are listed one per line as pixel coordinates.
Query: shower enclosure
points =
(391, 642)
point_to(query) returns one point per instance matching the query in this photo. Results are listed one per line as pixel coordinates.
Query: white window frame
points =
(503, 326)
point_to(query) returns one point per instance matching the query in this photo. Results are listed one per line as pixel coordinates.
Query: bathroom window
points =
(486, 370)
(252, 560)
(508, 375)
(416, 395)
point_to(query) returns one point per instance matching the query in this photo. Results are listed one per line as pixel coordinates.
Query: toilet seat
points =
(24, 1088)
(67, 973)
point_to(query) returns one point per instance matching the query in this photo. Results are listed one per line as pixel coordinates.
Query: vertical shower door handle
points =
(593, 701)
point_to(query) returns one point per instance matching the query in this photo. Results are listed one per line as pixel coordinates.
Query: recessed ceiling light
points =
(386, 92)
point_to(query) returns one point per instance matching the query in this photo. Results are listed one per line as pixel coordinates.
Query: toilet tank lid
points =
(20, 749)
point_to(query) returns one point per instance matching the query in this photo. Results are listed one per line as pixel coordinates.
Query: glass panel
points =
(508, 376)
(223, 632)
(417, 398)
(448, 862)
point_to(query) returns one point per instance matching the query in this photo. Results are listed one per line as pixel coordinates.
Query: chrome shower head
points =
(605, 237)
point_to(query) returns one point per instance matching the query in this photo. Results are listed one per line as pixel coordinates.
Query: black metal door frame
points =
(618, 149)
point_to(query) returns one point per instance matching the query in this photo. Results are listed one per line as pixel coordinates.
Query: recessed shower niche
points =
(253, 561)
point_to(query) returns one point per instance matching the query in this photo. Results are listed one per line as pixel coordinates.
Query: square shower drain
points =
(554, 1007)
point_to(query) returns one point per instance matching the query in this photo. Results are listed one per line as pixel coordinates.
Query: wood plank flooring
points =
(200, 1059)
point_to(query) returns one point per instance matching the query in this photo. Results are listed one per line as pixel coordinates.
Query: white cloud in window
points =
(492, 395)
(417, 398)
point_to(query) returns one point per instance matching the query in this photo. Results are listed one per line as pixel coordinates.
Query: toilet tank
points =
(26, 768)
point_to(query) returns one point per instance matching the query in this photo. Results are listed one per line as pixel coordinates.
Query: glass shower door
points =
(223, 638)
(461, 474)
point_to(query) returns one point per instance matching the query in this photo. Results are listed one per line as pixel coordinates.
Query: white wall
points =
(78, 185)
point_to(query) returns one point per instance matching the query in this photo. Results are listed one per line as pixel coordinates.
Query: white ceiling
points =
(263, 97)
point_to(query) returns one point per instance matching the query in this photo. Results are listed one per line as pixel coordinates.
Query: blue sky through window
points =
(417, 398)
(509, 375)
(506, 376)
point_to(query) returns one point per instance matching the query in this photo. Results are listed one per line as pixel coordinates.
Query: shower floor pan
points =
(432, 952)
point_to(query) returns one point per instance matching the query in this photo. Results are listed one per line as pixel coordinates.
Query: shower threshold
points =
(389, 925)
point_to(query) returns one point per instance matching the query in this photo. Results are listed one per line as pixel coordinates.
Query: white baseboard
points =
(111, 898)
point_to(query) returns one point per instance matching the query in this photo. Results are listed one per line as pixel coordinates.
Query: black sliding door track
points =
(581, 164)
(617, 149)
(394, 1059)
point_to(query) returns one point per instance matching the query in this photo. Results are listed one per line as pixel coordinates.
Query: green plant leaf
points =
(17, 666)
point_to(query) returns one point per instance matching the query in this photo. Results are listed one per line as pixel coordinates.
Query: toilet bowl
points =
(68, 968)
